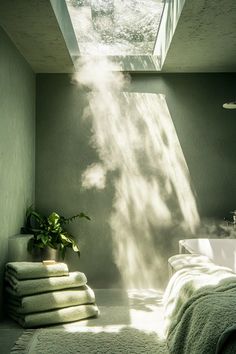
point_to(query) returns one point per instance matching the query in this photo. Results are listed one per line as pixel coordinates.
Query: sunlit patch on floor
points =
(143, 311)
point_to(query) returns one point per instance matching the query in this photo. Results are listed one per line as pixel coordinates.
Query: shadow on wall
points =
(139, 152)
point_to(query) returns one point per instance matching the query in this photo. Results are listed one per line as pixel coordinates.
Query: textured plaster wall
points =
(204, 39)
(207, 137)
(42, 31)
(206, 132)
(17, 143)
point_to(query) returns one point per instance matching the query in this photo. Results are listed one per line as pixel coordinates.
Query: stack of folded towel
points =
(41, 294)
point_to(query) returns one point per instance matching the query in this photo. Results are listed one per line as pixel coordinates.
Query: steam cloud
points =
(153, 205)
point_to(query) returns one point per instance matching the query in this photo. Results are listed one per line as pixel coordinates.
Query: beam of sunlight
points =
(94, 176)
(153, 204)
(145, 309)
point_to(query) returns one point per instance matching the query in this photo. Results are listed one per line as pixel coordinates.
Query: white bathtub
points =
(220, 251)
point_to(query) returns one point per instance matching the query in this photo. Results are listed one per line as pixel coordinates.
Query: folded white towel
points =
(51, 300)
(67, 314)
(35, 286)
(32, 270)
(180, 261)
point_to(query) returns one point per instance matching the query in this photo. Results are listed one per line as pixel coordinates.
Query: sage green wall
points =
(17, 143)
(206, 132)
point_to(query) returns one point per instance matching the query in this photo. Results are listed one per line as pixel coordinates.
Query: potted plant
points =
(49, 233)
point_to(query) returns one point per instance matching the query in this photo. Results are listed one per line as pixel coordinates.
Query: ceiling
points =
(42, 32)
(201, 36)
(204, 39)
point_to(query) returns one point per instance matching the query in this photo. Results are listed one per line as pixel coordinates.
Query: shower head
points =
(230, 105)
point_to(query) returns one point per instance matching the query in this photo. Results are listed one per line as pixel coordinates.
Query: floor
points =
(141, 309)
(9, 333)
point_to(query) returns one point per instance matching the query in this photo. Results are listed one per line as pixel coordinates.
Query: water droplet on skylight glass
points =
(115, 27)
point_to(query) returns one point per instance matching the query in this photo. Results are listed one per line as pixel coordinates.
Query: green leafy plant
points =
(48, 231)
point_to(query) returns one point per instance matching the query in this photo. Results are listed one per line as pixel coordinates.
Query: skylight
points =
(115, 27)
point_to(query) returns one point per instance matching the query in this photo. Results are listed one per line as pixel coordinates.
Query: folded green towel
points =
(206, 322)
(200, 307)
(67, 314)
(185, 282)
(34, 270)
(35, 286)
(51, 300)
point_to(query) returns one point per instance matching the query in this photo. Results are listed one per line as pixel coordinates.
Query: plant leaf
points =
(53, 218)
(83, 215)
(72, 218)
(66, 238)
(75, 247)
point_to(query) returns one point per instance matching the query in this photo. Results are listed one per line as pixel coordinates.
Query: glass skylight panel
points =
(115, 27)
